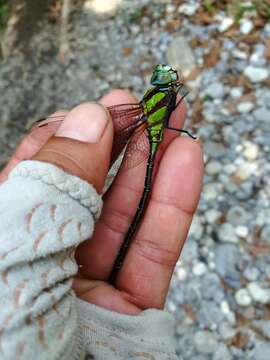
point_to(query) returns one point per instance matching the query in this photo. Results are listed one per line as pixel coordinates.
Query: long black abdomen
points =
(136, 220)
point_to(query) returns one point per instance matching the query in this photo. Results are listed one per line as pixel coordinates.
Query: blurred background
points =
(56, 54)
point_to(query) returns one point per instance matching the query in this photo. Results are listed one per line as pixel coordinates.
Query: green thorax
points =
(155, 110)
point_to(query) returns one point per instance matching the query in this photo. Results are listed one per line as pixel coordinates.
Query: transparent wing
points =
(137, 149)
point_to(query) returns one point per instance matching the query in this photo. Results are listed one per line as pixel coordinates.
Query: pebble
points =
(241, 231)
(262, 114)
(258, 293)
(205, 342)
(188, 9)
(196, 229)
(214, 149)
(199, 269)
(251, 273)
(222, 353)
(236, 92)
(212, 215)
(256, 74)
(261, 350)
(225, 24)
(245, 107)
(226, 331)
(180, 55)
(265, 234)
(263, 326)
(251, 150)
(242, 297)
(246, 26)
(226, 233)
(213, 167)
(215, 90)
(237, 215)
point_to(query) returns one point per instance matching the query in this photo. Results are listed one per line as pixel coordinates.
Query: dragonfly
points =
(140, 128)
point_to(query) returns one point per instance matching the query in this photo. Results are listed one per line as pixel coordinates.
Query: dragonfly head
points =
(163, 75)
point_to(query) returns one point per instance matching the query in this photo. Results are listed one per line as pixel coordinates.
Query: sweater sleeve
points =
(44, 214)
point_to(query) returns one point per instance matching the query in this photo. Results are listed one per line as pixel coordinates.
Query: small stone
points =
(236, 92)
(262, 114)
(226, 233)
(196, 229)
(226, 23)
(245, 107)
(251, 150)
(237, 215)
(226, 260)
(215, 90)
(258, 293)
(261, 350)
(238, 54)
(205, 342)
(199, 269)
(181, 274)
(241, 231)
(265, 234)
(246, 25)
(212, 215)
(229, 168)
(222, 353)
(226, 331)
(188, 9)
(256, 74)
(211, 191)
(251, 273)
(242, 297)
(263, 326)
(214, 149)
(213, 168)
(180, 55)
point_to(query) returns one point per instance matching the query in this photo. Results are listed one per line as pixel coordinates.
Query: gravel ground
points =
(220, 293)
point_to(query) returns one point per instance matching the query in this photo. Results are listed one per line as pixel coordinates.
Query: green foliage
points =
(209, 6)
(241, 9)
(4, 10)
(207, 98)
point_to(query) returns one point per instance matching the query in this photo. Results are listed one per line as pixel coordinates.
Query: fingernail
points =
(85, 122)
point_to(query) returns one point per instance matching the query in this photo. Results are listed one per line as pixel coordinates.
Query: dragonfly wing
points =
(47, 120)
(125, 115)
(137, 149)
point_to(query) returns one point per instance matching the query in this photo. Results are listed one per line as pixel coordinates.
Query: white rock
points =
(212, 215)
(246, 25)
(226, 23)
(181, 273)
(236, 92)
(251, 150)
(215, 90)
(245, 107)
(199, 269)
(226, 233)
(259, 293)
(213, 167)
(242, 297)
(180, 55)
(256, 74)
(229, 168)
(241, 231)
(238, 54)
(188, 9)
(196, 228)
(205, 342)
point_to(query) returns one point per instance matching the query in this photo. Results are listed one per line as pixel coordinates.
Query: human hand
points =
(144, 278)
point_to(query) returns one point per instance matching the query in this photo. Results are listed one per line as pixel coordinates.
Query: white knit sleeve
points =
(44, 214)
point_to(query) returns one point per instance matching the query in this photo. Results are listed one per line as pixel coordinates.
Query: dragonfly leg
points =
(181, 131)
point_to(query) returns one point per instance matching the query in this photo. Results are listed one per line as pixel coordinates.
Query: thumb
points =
(82, 144)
